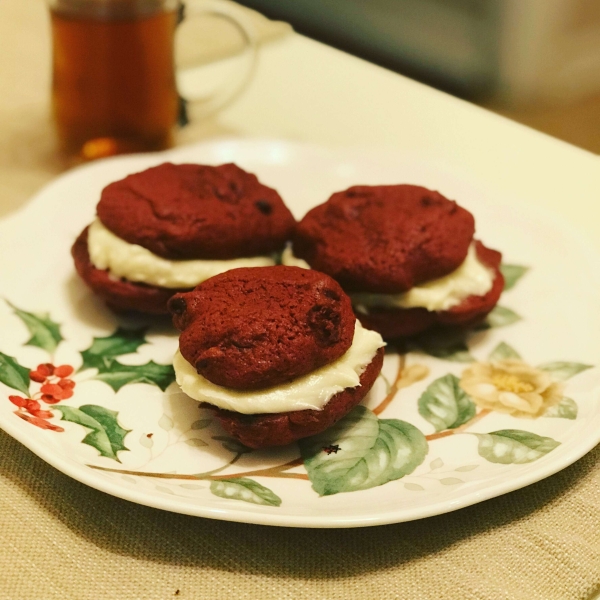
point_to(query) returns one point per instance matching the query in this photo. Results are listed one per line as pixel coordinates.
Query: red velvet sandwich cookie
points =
(277, 351)
(405, 254)
(171, 227)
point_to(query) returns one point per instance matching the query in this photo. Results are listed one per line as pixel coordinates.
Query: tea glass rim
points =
(112, 8)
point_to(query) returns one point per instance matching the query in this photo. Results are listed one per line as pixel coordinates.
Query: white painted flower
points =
(511, 386)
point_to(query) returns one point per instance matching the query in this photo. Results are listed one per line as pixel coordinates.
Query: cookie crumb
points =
(333, 449)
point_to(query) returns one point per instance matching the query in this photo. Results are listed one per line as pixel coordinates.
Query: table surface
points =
(61, 539)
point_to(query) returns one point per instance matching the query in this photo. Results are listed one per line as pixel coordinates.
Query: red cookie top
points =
(196, 212)
(254, 328)
(385, 239)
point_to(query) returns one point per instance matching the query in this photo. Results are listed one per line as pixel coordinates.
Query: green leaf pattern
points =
(246, 490)
(101, 355)
(564, 370)
(451, 481)
(513, 446)
(196, 442)
(500, 316)
(445, 404)
(106, 435)
(45, 333)
(456, 351)
(565, 409)
(438, 463)
(103, 350)
(117, 375)
(231, 444)
(503, 351)
(13, 374)
(414, 487)
(370, 452)
(512, 274)
(446, 344)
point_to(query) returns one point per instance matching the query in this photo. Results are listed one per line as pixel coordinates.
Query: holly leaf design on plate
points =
(104, 350)
(513, 446)
(368, 452)
(244, 489)
(565, 409)
(117, 374)
(564, 370)
(45, 333)
(502, 351)
(106, 435)
(500, 316)
(13, 374)
(512, 274)
(445, 404)
(102, 355)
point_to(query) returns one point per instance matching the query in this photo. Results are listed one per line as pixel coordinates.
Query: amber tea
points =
(113, 78)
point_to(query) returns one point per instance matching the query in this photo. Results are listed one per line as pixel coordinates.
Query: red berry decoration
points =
(66, 384)
(51, 389)
(63, 371)
(45, 369)
(36, 376)
(32, 405)
(18, 401)
(48, 399)
(56, 386)
(38, 422)
(41, 414)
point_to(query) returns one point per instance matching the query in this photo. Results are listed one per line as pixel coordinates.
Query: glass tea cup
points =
(114, 80)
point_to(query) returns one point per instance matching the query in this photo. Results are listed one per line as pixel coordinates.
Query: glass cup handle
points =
(202, 105)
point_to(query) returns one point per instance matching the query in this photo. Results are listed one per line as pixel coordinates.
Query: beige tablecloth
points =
(62, 540)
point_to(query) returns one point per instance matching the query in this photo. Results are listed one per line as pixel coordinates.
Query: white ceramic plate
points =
(431, 450)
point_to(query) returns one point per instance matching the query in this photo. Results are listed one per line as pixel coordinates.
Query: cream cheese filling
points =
(471, 278)
(289, 259)
(311, 391)
(135, 263)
